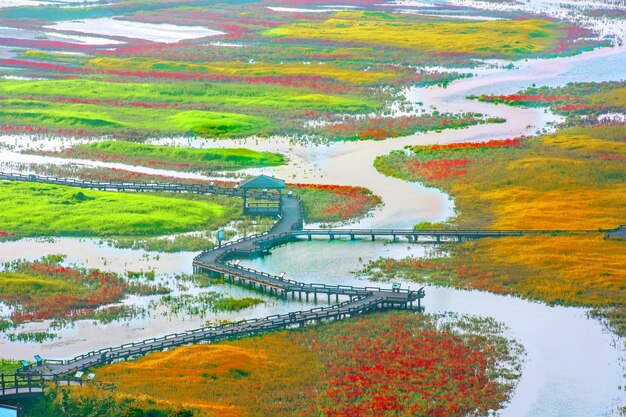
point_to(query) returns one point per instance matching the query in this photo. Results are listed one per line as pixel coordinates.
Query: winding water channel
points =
(573, 366)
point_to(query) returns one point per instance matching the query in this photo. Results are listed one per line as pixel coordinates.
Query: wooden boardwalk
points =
(358, 300)
(218, 261)
(129, 186)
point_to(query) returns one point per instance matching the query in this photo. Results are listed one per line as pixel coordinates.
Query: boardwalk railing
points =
(18, 385)
(433, 232)
(134, 186)
(203, 334)
(290, 285)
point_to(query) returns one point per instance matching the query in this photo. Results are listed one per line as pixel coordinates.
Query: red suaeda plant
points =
(334, 203)
(437, 162)
(17, 129)
(398, 368)
(45, 289)
(437, 169)
(378, 128)
(611, 157)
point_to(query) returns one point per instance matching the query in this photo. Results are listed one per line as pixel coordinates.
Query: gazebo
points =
(264, 203)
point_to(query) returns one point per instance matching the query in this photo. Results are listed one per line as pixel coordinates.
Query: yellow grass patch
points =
(243, 69)
(234, 379)
(613, 98)
(575, 208)
(587, 270)
(586, 143)
(509, 37)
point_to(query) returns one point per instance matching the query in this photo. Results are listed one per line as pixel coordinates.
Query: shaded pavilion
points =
(267, 195)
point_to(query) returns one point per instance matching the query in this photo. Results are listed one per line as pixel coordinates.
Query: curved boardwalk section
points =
(32, 379)
(221, 261)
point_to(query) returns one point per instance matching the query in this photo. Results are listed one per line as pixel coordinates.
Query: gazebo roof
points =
(262, 182)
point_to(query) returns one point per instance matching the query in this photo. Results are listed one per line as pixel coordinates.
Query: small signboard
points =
(8, 411)
(91, 376)
(220, 235)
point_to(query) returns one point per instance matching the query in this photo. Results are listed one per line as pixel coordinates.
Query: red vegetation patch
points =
(334, 202)
(401, 370)
(115, 174)
(42, 44)
(439, 162)
(299, 81)
(115, 157)
(534, 97)
(437, 169)
(12, 129)
(96, 288)
(475, 145)
(611, 157)
(479, 280)
(379, 128)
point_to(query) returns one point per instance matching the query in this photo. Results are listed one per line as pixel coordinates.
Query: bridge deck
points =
(216, 260)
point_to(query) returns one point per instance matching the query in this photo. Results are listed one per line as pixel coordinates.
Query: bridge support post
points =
(373, 238)
(352, 236)
(332, 237)
(309, 236)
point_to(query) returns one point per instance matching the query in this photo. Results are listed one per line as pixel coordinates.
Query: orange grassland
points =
(572, 180)
(397, 363)
(213, 378)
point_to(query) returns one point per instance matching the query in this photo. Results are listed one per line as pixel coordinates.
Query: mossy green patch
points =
(208, 123)
(17, 284)
(172, 157)
(232, 94)
(52, 210)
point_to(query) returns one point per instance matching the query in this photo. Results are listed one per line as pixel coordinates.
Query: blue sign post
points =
(220, 237)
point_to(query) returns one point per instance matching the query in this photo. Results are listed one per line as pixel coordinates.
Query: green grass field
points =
(238, 95)
(18, 284)
(107, 118)
(51, 210)
(166, 109)
(173, 157)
